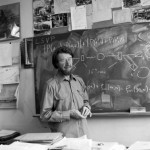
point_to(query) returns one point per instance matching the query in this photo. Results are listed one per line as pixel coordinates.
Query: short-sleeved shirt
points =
(61, 96)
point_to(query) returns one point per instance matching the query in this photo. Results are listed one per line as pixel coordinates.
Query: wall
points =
(126, 129)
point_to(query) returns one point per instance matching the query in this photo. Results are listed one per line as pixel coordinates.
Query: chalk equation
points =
(127, 88)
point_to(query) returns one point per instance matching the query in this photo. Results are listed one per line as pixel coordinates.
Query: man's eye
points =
(62, 61)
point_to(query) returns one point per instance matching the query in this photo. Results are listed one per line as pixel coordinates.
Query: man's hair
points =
(59, 50)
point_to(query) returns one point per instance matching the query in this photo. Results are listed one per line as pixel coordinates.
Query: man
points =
(65, 101)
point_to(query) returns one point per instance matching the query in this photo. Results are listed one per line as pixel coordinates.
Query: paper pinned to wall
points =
(5, 54)
(102, 15)
(89, 10)
(9, 75)
(122, 16)
(145, 2)
(106, 4)
(78, 17)
(116, 3)
(15, 47)
(103, 4)
(63, 6)
(101, 12)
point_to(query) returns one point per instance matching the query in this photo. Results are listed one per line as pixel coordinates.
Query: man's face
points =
(65, 63)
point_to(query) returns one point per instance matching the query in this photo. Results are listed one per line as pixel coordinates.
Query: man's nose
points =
(67, 62)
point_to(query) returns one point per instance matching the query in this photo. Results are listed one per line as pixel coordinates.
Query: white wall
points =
(126, 129)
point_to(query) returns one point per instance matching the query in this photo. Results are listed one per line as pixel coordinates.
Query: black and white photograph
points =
(42, 16)
(59, 20)
(131, 3)
(141, 15)
(10, 21)
(83, 2)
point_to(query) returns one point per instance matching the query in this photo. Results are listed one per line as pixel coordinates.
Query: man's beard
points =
(65, 72)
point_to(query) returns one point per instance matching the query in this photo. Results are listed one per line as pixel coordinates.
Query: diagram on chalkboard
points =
(114, 63)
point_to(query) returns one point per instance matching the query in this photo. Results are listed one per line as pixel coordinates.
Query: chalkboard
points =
(114, 63)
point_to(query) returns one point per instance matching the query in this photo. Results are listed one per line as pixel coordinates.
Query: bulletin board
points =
(114, 63)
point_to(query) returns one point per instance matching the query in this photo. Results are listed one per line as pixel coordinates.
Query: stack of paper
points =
(40, 137)
(73, 144)
(23, 146)
(108, 146)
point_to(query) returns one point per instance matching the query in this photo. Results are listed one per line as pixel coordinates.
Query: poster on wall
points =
(42, 16)
(10, 21)
(131, 3)
(141, 15)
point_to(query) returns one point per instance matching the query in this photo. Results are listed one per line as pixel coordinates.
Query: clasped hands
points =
(74, 113)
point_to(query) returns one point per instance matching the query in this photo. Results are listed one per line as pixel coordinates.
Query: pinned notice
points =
(122, 16)
(78, 17)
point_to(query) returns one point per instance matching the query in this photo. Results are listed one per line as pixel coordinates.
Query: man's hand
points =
(86, 111)
(76, 114)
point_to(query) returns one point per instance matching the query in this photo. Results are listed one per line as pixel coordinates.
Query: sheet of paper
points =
(9, 75)
(24, 146)
(103, 4)
(116, 3)
(140, 145)
(5, 54)
(15, 47)
(101, 11)
(78, 17)
(145, 2)
(8, 91)
(74, 144)
(89, 10)
(122, 16)
(106, 4)
(63, 6)
(102, 15)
